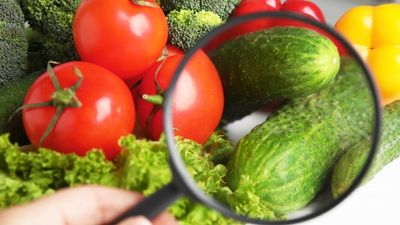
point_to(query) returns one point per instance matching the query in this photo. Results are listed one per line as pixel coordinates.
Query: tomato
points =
(173, 50)
(198, 98)
(304, 7)
(125, 37)
(169, 50)
(311, 10)
(106, 111)
(254, 6)
(244, 8)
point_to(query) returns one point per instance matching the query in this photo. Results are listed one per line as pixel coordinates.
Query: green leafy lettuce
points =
(142, 167)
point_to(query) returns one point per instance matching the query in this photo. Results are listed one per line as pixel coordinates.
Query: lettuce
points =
(16, 191)
(142, 166)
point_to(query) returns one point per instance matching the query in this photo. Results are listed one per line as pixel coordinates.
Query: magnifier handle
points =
(153, 205)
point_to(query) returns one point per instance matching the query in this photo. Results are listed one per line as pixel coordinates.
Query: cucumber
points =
(275, 64)
(12, 97)
(351, 163)
(287, 158)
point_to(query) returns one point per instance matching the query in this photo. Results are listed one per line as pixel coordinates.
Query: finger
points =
(89, 205)
(165, 219)
(139, 220)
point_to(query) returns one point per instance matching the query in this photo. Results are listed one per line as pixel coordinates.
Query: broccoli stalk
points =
(186, 27)
(221, 7)
(51, 22)
(13, 44)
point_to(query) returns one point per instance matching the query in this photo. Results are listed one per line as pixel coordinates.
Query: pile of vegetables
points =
(83, 83)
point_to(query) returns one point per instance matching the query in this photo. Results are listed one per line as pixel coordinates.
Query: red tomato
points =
(303, 7)
(173, 50)
(122, 36)
(244, 8)
(170, 50)
(198, 98)
(311, 10)
(107, 111)
(254, 6)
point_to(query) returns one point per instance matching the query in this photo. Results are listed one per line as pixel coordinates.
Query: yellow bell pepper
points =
(375, 33)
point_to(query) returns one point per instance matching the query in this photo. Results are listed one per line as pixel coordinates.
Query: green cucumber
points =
(12, 97)
(286, 160)
(351, 163)
(275, 64)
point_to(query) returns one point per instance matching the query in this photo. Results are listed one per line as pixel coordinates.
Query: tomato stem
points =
(52, 124)
(62, 98)
(145, 3)
(164, 55)
(154, 99)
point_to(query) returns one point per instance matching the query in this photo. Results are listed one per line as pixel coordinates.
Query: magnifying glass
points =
(279, 170)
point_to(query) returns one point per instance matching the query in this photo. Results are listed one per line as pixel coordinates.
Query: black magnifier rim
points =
(182, 177)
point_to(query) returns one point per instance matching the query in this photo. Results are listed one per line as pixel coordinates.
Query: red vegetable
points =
(126, 37)
(198, 101)
(93, 114)
(254, 6)
(303, 7)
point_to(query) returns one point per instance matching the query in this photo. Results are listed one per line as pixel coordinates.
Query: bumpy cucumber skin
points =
(12, 97)
(289, 157)
(274, 64)
(351, 163)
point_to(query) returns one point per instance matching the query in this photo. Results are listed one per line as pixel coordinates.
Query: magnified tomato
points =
(96, 116)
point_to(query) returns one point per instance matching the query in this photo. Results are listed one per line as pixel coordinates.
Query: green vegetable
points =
(13, 44)
(53, 22)
(221, 7)
(186, 27)
(52, 170)
(274, 64)
(12, 97)
(284, 162)
(16, 191)
(219, 147)
(142, 167)
(352, 162)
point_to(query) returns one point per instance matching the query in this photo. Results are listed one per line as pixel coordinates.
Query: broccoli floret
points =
(13, 44)
(186, 27)
(221, 7)
(53, 19)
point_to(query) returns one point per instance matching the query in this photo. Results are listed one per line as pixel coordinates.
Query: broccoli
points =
(186, 26)
(13, 44)
(53, 22)
(221, 7)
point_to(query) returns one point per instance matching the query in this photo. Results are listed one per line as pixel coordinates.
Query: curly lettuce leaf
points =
(142, 166)
(49, 169)
(245, 201)
(93, 168)
(14, 191)
(219, 147)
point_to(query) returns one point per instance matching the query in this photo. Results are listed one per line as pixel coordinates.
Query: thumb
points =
(138, 220)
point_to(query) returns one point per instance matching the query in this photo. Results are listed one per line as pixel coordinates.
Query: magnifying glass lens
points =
(291, 105)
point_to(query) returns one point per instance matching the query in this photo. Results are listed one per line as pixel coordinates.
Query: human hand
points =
(86, 205)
